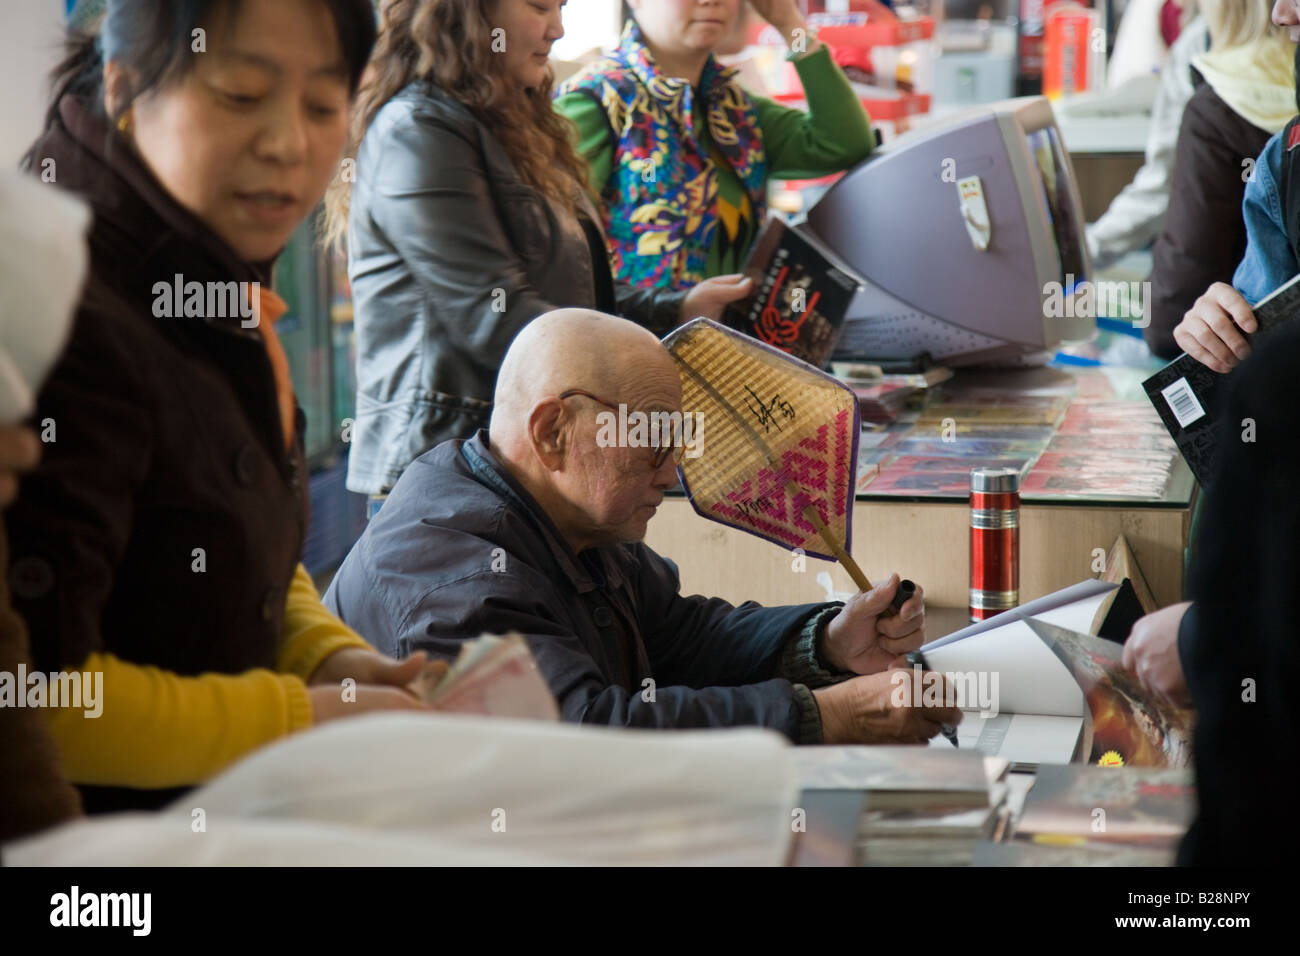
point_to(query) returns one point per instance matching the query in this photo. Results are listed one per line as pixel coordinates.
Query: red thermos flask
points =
(994, 541)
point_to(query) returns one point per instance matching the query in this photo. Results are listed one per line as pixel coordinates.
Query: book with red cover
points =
(801, 295)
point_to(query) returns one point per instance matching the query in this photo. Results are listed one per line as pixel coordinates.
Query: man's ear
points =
(550, 431)
(118, 88)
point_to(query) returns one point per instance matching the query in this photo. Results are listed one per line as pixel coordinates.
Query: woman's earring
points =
(124, 123)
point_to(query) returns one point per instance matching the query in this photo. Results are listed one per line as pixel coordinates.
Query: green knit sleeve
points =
(833, 135)
(595, 141)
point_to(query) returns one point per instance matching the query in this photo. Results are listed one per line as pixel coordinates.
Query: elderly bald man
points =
(535, 526)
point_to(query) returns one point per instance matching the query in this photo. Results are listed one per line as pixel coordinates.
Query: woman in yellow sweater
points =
(157, 544)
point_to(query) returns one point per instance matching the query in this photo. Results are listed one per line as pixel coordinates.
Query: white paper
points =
(1084, 590)
(1031, 678)
(1028, 739)
(455, 789)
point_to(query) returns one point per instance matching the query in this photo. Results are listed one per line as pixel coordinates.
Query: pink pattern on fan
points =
(768, 508)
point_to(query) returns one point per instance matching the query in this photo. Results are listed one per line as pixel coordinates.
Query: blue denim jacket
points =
(1269, 260)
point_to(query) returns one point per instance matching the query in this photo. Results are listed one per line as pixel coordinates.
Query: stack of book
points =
(1105, 449)
(1096, 445)
(880, 402)
(1099, 816)
(882, 395)
(923, 806)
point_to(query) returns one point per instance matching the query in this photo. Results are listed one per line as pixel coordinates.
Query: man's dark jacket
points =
(459, 548)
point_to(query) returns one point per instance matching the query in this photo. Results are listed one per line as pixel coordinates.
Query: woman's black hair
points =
(155, 40)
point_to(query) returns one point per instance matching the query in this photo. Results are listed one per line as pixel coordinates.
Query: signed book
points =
(1037, 685)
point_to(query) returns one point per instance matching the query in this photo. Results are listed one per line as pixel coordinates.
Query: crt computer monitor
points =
(897, 220)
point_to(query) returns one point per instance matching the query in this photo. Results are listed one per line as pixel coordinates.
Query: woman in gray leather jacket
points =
(466, 216)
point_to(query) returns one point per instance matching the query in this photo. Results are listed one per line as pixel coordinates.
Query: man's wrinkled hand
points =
(859, 640)
(881, 709)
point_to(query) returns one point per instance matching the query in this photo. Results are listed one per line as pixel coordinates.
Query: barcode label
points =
(1182, 401)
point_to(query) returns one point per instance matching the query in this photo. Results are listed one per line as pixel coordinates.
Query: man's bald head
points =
(576, 348)
(597, 486)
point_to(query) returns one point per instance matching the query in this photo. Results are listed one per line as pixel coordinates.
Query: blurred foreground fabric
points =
(410, 789)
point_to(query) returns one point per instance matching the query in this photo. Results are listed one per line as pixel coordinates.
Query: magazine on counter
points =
(1140, 805)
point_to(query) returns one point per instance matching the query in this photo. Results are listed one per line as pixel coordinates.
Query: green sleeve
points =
(833, 135)
(595, 141)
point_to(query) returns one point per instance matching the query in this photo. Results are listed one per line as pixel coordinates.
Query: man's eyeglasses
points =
(662, 452)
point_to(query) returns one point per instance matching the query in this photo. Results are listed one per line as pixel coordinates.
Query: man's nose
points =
(665, 475)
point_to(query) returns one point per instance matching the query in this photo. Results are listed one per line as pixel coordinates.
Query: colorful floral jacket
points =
(661, 203)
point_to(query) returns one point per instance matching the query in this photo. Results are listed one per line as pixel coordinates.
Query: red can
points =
(1067, 58)
(994, 541)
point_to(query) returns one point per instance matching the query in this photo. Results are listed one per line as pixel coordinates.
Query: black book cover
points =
(1125, 610)
(1185, 393)
(800, 298)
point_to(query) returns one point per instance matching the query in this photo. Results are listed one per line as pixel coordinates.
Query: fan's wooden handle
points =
(815, 519)
(837, 549)
(845, 559)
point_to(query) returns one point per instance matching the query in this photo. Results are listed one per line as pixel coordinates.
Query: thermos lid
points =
(994, 480)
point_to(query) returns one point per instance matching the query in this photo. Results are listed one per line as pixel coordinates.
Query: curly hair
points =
(448, 43)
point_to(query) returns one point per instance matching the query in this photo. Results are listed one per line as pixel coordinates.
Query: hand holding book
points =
(1185, 392)
(1211, 331)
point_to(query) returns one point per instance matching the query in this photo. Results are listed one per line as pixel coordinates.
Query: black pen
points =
(905, 592)
(917, 659)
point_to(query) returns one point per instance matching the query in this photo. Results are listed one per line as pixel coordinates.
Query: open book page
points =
(1030, 662)
(1026, 740)
(1084, 591)
(1021, 699)
(1011, 669)
(1129, 725)
(1084, 616)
